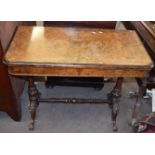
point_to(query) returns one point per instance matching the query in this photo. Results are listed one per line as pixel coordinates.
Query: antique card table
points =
(76, 52)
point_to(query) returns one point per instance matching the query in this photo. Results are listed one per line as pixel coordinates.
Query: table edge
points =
(77, 65)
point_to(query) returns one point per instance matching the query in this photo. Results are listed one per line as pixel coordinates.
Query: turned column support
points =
(33, 97)
(114, 97)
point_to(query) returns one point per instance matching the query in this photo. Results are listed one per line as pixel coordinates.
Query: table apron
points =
(76, 72)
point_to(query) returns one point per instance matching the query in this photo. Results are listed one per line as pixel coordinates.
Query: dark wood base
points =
(74, 100)
(112, 101)
(114, 98)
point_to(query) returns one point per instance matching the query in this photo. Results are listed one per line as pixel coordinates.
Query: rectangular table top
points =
(58, 46)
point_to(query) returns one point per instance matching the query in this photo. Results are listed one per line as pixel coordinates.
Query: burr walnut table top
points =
(76, 52)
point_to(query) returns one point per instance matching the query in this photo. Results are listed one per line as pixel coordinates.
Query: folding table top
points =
(77, 46)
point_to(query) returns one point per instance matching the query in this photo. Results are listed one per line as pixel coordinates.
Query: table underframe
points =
(112, 100)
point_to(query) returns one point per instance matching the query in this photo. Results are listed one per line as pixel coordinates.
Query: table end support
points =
(33, 97)
(114, 96)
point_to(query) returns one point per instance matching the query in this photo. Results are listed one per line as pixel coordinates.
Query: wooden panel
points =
(76, 46)
(7, 30)
(90, 24)
(76, 71)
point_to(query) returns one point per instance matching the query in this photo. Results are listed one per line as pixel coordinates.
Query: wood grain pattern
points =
(74, 47)
(76, 72)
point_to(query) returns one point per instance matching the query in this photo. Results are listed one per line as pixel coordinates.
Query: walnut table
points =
(76, 52)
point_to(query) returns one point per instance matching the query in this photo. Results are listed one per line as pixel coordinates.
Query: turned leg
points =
(114, 97)
(141, 92)
(33, 97)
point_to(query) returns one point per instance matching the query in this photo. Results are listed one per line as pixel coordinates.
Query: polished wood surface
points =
(77, 47)
(98, 82)
(76, 71)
